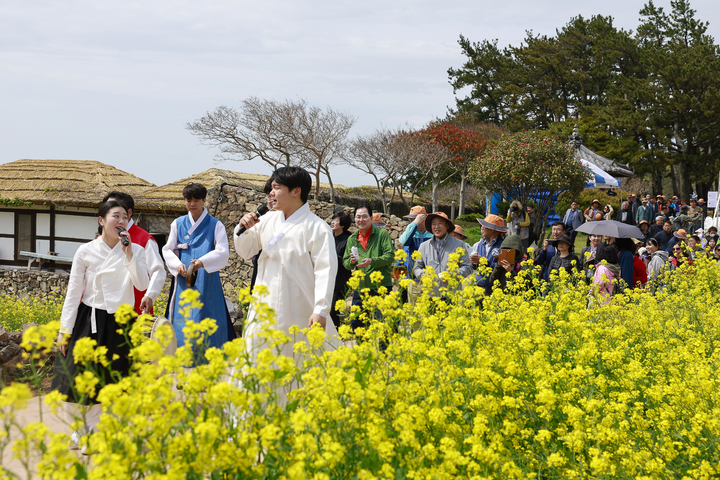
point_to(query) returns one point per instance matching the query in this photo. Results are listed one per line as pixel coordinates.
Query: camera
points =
(514, 209)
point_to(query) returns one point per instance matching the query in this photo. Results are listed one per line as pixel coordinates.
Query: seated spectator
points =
(436, 251)
(607, 273)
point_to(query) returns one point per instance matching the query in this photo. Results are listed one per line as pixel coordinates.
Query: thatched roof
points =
(81, 183)
(169, 196)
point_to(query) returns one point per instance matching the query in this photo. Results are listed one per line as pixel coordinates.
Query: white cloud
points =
(117, 81)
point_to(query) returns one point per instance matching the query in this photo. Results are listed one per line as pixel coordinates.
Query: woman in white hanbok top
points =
(103, 274)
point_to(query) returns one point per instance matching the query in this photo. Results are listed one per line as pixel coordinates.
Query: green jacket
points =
(379, 249)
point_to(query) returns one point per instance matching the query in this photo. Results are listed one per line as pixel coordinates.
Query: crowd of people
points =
(305, 264)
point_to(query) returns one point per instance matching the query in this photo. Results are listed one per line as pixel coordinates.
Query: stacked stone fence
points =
(233, 204)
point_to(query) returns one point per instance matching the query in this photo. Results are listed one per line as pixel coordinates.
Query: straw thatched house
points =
(51, 205)
(161, 205)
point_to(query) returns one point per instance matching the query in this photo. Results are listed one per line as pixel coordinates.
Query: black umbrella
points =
(611, 228)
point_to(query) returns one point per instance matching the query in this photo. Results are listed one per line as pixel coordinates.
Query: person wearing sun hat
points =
(678, 237)
(593, 210)
(436, 251)
(489, 245)
(564, 258)
(414, 234)
(458, 233)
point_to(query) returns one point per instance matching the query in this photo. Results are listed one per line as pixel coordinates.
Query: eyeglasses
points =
(361, 217)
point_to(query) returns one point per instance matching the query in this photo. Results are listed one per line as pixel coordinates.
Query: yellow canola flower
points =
(461, 385)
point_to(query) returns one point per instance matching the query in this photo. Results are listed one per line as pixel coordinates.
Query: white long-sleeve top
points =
(155, 266)
(102, 278)
(213, 261)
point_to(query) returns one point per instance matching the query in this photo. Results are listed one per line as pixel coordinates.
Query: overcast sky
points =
(118, 81)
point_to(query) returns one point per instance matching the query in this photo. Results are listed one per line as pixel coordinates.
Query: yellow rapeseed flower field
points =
(514, 385)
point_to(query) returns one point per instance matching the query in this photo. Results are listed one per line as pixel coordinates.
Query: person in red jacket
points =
(639, 267)
(155, 265)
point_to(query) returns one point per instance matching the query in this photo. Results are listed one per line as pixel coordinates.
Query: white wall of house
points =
(42, 226)
(7, 248)
(7, 222)
(73, 226)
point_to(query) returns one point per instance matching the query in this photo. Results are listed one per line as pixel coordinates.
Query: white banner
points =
(712, 199)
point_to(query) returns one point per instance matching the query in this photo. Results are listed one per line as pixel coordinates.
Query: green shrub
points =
(585, 199)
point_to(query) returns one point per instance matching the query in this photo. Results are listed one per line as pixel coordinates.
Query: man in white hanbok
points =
(297, 264)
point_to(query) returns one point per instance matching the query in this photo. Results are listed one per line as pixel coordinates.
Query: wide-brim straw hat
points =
(459, 231)
(493, 222)
(595, 201)
(564, 239)
(429, 219)
(415, 211)
(681, 234)
(377, 220)
(643, 221)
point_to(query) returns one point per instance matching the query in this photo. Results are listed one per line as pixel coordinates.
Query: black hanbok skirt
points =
(107, 335)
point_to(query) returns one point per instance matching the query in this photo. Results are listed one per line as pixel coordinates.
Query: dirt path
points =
(31, 414)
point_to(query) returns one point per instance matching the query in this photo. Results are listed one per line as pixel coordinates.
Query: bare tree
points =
(321, 138)
(430, 158)
(380, 155)
(279, 133)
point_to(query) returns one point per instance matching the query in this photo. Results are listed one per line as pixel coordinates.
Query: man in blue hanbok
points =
(199, 241)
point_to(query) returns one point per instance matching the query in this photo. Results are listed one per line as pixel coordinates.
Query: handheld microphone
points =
(262, 210)
(123, 238)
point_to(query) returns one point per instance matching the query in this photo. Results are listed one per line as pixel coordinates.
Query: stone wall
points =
(235, 203)
(24, 283)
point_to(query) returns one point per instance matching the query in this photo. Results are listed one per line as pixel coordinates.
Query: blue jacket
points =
(411, 238)
(544, 259)
(627, 259)
(490, 251)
